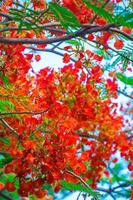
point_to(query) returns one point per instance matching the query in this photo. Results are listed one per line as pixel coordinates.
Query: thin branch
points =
(56, 45)
(27, 112)
(88, 136)
(79, 33)
(78, 196)
(103, 190)
(121, 185)
(79, 178)
(122, 33)
(22, 6)
(6, 15)
(114, 188)
(5, 196)
(103, 6)
(130, 137)
(123, 93)
(9, 127)
(42, 27)
(108, 47)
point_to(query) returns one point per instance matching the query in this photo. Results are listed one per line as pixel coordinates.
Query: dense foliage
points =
(66, 127)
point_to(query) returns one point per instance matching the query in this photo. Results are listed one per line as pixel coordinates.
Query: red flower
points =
(130, 167)
(37, 58)
(10, 186)
(66, 58)
(90, 37)
(127, 30)
(111, 85)
(118, 44)
(114, 160)
(2, 186)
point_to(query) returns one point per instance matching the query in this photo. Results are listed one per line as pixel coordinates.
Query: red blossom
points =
(37, 58)
(66, 58)
(118, 44)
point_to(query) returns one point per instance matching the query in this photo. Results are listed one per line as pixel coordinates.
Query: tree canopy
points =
(68, 128)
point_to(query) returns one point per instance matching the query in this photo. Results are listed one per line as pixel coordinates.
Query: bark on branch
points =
(80, 33)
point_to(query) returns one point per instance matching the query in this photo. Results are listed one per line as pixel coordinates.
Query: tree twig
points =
(88, 136)
(78, 177)
(108, 47)
(27, 112)
(123, 93)
(122, 33)
(5, 196)
(9, 127)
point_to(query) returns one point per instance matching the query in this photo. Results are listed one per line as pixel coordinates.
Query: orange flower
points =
(118, 44)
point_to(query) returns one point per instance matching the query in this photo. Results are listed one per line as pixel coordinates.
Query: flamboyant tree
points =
(66, 128)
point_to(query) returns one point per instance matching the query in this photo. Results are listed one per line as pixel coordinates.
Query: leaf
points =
(128, 17)
(7, 177)
(125, 79)
(78, 187)
(32, 197)
(4, 78)
(65, 16)
(116, 61)
(5, 158)
(100, 11)
(74, 42)
(125, 63)
(110, 17)
(5, 140)
(6, 105)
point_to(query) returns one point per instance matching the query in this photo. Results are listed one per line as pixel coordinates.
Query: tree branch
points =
(42, 27)
(6, 15)
(87, 136)
(79, 33)
(108, 47)
(6, 125)
(122, 33)
(78, 177)
(27, 112)
(130, 137)
(123, 93)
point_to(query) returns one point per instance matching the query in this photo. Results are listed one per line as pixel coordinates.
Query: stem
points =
(5, 196)
(123, 93)
(9, 127)
(122, 33)
(27, 112)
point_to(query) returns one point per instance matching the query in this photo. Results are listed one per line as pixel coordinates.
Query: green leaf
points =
(110, 17)
(5, 140)
(7, 178)
(64, 16)
(5, 159)
(32, 197)
(125, 79)
(100, 11)
(128, 17)
(4, 78)
(73, 42)
(78, 187)
(125, 63)
(116, 61)
(6, 106)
